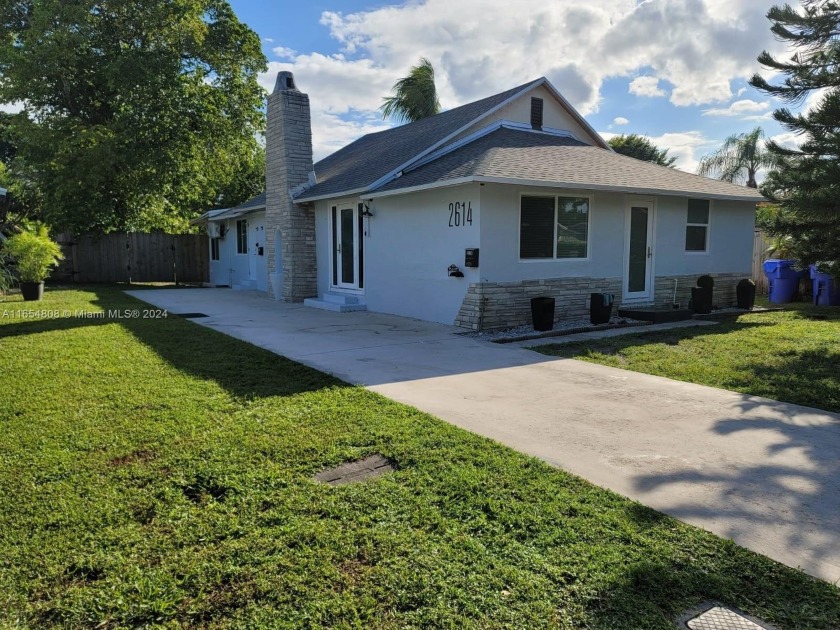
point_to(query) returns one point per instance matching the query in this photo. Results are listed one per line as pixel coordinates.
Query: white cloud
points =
(480, 47)
(284, 52)
(787, 140)
(340, 113)
(646, 86)
(12, 108)
(813, 100)
(745, 109)
(687, 146)
(620, 120)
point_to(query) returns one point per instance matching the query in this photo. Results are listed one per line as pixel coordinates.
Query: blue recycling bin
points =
(826, 288)
(783, 278)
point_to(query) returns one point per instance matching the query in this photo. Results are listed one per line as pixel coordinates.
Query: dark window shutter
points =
(536, 227)
(536, 113)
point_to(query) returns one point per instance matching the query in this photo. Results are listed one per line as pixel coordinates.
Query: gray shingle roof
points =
(369, 158)
(525, 155)
(252, 203)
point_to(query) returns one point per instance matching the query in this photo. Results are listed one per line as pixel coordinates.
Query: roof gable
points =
(373, 159)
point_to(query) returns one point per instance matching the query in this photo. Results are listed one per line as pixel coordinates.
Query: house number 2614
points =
(460, 214)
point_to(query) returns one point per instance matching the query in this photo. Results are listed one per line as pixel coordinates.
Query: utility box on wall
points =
(471, 257)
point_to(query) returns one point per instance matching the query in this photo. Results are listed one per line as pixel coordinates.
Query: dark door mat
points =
(656, 315)
(353, 472)
(190, 315)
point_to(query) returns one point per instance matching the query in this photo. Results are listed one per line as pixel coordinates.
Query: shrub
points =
(34, 254)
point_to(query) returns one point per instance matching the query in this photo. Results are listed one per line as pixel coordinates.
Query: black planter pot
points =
(32, 291)
(600, 308)
(542, 313)
(745, 292)
(701, 300)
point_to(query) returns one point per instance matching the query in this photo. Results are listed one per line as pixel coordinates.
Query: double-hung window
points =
(241, 237)
(697, 226)
(553, 227)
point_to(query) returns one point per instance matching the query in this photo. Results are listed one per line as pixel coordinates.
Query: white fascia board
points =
(233, 213)
(390, 175)
(445, 183)
(563, 186)
(208, 216)
(623, 189)
(333, 195)
(580, 119)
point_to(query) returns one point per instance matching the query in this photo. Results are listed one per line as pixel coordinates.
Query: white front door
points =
(638, 262)
(347, 265)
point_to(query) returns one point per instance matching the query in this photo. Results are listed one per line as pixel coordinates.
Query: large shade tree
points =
(414, 96)
(139, 112)
(641, 148)
(739, 159)
(806, 183)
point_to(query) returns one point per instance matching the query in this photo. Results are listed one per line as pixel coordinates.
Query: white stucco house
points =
(462, 217)
(237, 245)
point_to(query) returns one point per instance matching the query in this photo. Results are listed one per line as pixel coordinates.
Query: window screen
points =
(697, 225)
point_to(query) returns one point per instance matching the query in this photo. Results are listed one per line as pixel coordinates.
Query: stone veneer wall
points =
(288, 162)
(507, 304)
(723, 295)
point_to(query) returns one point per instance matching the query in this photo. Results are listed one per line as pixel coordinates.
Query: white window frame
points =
(215, 249)
(239, 237)
(707, 225)
(556, 195)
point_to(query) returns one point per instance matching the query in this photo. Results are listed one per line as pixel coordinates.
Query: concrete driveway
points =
(763, 473)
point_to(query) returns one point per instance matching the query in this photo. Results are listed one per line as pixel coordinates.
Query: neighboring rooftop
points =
(520, 155)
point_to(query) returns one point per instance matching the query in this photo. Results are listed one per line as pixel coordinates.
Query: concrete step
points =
(245, 285)
(340, 298)
(333, 306)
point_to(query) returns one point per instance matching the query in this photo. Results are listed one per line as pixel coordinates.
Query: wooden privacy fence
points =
(134, 257)
(760, 245)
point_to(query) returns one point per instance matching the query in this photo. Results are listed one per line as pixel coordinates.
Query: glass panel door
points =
(348, 247)
(637, 283)
(346, 250)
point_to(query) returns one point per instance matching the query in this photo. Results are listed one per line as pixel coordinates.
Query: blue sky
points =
(674, 70)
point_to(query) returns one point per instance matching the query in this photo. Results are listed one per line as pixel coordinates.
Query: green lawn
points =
(156, 473)
(791, 355)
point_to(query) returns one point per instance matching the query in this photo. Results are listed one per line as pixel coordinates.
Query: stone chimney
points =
(288, 164)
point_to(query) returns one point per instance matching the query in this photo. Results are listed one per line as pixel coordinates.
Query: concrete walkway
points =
(764, 473)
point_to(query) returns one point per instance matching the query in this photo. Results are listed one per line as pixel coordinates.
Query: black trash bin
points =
(542, 313)
(746, 294)
(701, 300)
(600, 307)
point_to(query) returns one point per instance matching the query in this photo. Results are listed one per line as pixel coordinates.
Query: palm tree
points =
(739, 158)
(413, 97)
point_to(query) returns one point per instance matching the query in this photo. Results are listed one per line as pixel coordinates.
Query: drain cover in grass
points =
(191, 315)
(353, 472)
(715, 616)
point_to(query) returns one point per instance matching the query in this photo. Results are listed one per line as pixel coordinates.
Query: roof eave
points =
(565, 186)
(334, 195)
